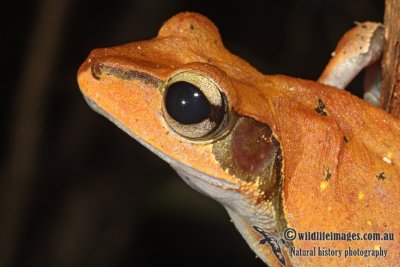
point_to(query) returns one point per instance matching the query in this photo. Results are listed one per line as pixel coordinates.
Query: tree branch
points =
(391, 59)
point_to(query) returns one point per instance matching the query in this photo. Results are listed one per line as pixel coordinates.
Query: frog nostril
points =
(96, 70)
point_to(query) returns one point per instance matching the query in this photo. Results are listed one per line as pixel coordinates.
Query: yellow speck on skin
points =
(369, 222)
(324, 185)
(360, 195)
(377, 247)
(388, 157)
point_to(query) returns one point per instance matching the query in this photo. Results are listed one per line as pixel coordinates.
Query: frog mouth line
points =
(212, 180)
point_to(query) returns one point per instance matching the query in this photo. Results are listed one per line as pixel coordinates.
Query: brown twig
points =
(391, 59)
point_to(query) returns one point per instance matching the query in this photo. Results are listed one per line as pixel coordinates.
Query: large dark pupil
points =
(186, 104)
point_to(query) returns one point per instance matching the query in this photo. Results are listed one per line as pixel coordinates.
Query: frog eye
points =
(186, 103)
(194, 107)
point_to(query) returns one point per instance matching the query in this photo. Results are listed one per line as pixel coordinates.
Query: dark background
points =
(77, 191)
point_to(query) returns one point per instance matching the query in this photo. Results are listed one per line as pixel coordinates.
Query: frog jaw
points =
(194, 178)
(211, 180)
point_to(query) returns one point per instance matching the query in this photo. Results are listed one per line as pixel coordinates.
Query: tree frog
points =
(288, 158)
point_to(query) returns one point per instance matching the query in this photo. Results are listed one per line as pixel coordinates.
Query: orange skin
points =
(350, 142)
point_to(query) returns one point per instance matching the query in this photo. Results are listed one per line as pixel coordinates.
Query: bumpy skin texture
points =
(345, 138)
